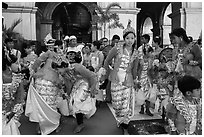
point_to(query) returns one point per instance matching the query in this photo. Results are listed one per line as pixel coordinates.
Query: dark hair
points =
(103, 39)
(188, 83)
(190, 39)
(180, 32)
(25, 45)
(88, 45)
(91, 68)
(115, 37)
(8, 40)
(150, 49)
(58, 42)
(146, 36)
(97, 44)
(5, 60)
(157, 39)
(128, 33)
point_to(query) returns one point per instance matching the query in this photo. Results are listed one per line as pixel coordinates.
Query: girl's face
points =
(93, 48)
(10, 45)
(175, 40)
(51, 47)
(28, 50)
(87, 49)
(154, 44)
(130, 39)
(73, 42)
(196, 93)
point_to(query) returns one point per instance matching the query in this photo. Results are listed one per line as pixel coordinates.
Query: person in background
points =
(104, 43)
(73, 46)
(107, 84)
(123, 76)
(28, 57)
(65, 43)
(145, 45)
(188, 54)
(87, 55)
(33, 46)
(97, 58)
(184, 111)
(156, 44)
(16, 67)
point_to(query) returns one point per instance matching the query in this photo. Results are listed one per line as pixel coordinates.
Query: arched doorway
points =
(167, 25)
(147, 27)
(71, 19)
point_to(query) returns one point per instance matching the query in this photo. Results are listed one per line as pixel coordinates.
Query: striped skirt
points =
(123, 101)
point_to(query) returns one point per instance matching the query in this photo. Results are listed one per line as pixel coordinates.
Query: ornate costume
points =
(12, 102)
(183, 114)
(121, 77)
(44, 89)
(81, 80)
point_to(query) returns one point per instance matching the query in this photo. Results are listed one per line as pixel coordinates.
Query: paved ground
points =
(102, 123)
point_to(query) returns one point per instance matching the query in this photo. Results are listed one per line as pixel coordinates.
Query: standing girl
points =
(122, 77)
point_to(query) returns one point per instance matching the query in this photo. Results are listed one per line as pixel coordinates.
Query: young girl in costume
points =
(145, 64)
(122, 77)
(184, 110)
(83, 83)
(12, 96)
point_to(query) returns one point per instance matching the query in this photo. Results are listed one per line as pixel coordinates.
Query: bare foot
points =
(78, 128)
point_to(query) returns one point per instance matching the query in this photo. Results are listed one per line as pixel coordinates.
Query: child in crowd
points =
(184, 110)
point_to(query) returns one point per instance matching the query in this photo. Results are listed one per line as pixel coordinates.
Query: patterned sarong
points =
(41, 108)
(123, 101)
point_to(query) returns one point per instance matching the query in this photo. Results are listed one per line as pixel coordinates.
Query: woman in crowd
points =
(87, 54)
(83, 83)
(44, 88)
(97, 59)
(28, 57)
(12, 95)
(156, 44)
(122, 77)
(15, 66)
(184, 111)
(189, 59)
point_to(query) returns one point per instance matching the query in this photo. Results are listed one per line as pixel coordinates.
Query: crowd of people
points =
(73, 79)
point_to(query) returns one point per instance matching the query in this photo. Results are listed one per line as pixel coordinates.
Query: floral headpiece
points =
(129, 28)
